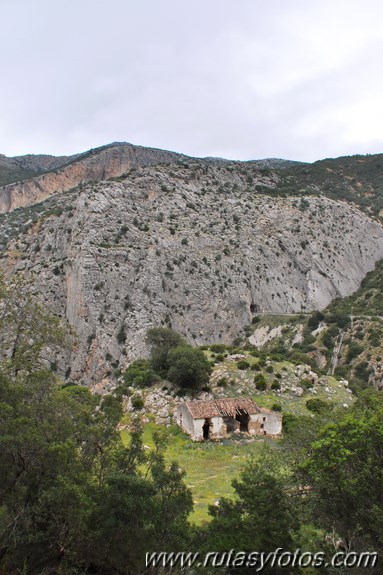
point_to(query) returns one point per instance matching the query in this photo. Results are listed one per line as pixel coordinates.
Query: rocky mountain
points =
(64, 173)
(28, 166)
(199, 245)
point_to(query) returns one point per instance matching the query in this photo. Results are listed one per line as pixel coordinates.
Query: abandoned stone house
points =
(216, 418)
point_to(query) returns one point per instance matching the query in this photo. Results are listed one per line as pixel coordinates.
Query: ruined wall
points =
(265, 424)
(273, 424)
(217, 429)
(255, 424)
(184, 419)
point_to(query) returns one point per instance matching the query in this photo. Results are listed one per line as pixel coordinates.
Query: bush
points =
(161, 341)
(293, 423)
(222, 382)
(276, 407)
(219, 358)
(121, 336)
(327, 340)
(189, 367)
(275, 385)
(261, 385)
(260, 382)
(341, 371)
(354, 349)
(269, 369)
(362, 370)
(139, 374)
(243, 364)
(341, 319)
(137, 402)
(218, 347)
(317, 405)
(314, 320)
(206, 388)
(306, 384)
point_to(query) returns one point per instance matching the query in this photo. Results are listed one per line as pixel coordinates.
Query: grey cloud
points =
(242, 80)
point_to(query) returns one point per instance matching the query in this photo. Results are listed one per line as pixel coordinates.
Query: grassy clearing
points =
(210, 467)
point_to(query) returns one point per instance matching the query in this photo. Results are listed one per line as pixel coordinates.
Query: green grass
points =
(297, 405)
(210, 466)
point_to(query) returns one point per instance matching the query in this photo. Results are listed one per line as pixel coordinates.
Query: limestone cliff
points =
(68, 172)
(194, 245)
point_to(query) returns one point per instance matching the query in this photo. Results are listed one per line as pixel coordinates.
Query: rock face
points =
(69, 172)
(23, 167)
(193, 245)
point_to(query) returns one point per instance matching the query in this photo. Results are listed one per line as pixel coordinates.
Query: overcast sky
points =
(295, 79)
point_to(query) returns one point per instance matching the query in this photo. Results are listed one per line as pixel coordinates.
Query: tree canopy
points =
(174, 359)
(160, 341)
(189, 367)
(72, 497)
(344, 470)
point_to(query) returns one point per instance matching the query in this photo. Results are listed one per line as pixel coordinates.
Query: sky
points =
(293, 79)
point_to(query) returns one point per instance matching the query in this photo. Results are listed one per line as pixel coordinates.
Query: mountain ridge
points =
(195, 245)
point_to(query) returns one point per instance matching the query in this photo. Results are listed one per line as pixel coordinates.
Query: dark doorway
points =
(243, 419)
(206, 429)
(231, 424)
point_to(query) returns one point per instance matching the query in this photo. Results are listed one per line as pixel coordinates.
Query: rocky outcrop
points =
(99, 164)
(192, 245)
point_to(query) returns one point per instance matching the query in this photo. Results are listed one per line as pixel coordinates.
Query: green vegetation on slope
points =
(367, 301)
(209, 467)
(357, 179)
(13, 173)
(74, 498)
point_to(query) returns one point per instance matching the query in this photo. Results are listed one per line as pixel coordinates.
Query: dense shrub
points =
(327, 340)
(314, 320)
(218, 347)
(260, 382)
(243, 364)
(137, 402)
(354, 349)
(317, 405)
(121, 335)
(139, 374)
(276, 407)
(261, 385)
(188, 367)
(306, 384)
(161, 341)
(222, 382)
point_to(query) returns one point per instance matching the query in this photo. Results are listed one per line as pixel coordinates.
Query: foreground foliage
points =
(72, 497)
(75, 499)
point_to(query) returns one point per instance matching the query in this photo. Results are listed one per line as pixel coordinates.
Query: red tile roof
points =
(222, 407)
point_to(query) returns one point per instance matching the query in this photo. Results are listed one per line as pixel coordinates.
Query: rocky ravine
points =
(189, 245)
